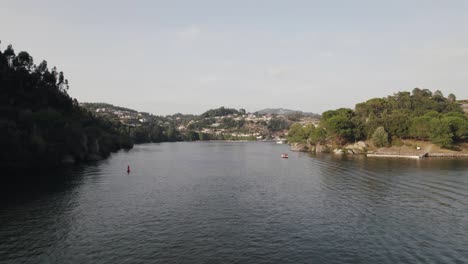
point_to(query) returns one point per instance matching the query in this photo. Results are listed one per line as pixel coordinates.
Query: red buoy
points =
(128, 169)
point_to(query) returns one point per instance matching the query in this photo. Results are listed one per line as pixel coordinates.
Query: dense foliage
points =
(220, 112)
(278, 124)
(306, 134)
(153, 132)
(421, 115)
(141, 127)
(40, 124)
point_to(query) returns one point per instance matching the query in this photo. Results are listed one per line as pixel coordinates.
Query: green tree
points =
(441, 133)
(277, 124)
(458, 127)
(452, 98)
(341, 127)
(380, 137)
(397, 123)
(191, 136)
(420, 127)
(438, 95)
(24, 60)
(318, 136)
(299, 133)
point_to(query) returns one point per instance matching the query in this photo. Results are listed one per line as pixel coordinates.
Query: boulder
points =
(359, 147)
(338, 151)
(322, 148)
(299, 147)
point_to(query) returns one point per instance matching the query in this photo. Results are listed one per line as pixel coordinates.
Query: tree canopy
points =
(421, 114)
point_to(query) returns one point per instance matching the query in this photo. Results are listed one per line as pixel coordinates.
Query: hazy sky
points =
(187, 56)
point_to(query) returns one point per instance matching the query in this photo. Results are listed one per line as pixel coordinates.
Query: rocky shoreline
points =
(362, 148)
(357, 148)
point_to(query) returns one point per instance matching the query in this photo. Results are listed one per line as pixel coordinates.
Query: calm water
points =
(220, 202)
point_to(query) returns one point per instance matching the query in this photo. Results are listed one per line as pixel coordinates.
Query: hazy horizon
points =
(188, 57)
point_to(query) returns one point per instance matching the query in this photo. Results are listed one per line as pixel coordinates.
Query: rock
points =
(303, 147)
(361, 144)
(308, 147)
(359, 147)
(338, 151)
(298, 147)
(322, 148)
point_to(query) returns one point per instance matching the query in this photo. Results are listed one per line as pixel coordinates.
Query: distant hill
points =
(283, 111)
(222, 111)
(94, 106)
(215, 124)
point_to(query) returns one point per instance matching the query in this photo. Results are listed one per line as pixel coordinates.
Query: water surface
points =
(222, 202)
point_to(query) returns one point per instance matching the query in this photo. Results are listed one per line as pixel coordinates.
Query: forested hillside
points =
(420, 115)
(40, 124)
(215, 124)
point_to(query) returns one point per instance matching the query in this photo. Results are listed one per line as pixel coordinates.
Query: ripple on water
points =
(222, 202)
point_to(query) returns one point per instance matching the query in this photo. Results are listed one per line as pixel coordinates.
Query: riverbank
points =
(407, 149)
(420, 149)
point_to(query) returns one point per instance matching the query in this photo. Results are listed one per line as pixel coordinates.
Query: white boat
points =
(281, 141)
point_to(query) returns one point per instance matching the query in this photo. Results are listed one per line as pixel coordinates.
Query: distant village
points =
(261, 125)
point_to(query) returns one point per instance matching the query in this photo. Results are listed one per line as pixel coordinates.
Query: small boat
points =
(284, 155)
(281, 141)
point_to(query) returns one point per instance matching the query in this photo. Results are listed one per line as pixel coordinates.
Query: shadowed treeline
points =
(40, 124)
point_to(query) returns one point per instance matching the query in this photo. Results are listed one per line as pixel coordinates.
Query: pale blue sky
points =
(187, 56)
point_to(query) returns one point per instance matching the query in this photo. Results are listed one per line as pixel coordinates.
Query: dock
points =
(381, 155)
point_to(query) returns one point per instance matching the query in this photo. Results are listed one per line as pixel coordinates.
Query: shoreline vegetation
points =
(407, 125)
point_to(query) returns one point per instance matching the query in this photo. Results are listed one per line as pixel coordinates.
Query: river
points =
(234, 202)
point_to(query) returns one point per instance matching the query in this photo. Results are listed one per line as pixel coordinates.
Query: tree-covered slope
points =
(40, 124)
(421, 115)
